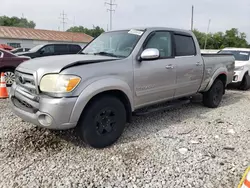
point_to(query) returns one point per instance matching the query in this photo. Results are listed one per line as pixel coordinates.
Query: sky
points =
(224, 14)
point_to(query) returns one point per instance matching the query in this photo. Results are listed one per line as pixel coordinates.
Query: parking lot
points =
(192, 146)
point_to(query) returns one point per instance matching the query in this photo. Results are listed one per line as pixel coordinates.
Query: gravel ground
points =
(192, 146)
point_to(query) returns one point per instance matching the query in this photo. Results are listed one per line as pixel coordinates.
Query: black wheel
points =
(9, 76)
(213, 97)
(103, 122)
(245, 84)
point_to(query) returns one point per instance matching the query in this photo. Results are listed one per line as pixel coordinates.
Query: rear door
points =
(189, 65)
(74, 49)
(61, 49)
(155, 79)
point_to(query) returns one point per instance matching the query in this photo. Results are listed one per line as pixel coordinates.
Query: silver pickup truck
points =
(119, 74)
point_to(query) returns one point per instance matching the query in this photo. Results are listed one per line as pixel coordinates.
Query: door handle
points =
(198, 64)
(169, 67)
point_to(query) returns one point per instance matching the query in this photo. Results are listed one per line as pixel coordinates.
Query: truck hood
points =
(23, 53)
(241, 63)
(55, 64)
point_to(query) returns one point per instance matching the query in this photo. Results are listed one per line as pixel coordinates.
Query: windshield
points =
(238, 55)
(116, 44)
(36, 48)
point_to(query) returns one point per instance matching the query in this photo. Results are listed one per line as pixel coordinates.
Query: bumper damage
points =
(50, 113)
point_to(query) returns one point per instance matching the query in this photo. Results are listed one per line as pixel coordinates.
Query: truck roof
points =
(237, 49)
(156, 28)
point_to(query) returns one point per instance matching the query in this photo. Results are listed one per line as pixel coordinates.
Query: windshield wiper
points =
(106, 54)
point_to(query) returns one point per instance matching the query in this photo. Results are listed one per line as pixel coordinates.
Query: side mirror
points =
(150, 54)
(41, 52)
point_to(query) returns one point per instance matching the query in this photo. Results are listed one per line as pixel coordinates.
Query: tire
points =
(245, 84)
(103, 122)
(212, 98)
(9, 76)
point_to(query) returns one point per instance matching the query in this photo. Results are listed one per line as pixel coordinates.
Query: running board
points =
(160, 107)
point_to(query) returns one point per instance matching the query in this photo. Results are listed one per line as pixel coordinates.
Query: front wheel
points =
(102, 122)
(9, 77)
(245, 84)
(212, 98)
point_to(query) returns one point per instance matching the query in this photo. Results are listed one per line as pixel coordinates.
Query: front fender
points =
(98, 87)
(219, 71)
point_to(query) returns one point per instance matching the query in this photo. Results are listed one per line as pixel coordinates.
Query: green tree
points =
(95, 32)
(16, 22)
(219, 40)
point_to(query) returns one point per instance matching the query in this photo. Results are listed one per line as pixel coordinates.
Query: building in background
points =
(28, 38)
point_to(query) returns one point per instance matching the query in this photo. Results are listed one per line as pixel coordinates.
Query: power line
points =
(63, 18)
(111, 10)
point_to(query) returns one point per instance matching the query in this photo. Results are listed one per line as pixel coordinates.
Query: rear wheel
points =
(103, 122)
(213, 96)
(245, 84)
(9, 76)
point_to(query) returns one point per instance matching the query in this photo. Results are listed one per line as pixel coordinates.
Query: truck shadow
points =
(155, 122)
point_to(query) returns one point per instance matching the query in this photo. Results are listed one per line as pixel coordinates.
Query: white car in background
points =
(209, 51)
(242, 66)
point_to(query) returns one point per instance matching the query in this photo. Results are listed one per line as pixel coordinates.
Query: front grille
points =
(26, 82)
(23, 105)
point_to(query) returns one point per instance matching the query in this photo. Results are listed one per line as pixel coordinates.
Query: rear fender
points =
(218, 72)
(96, 88)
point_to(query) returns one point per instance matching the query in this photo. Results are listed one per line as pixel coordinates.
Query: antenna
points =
(63, 18)
(111, 10)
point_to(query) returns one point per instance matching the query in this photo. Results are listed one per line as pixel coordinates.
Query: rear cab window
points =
(184, 45)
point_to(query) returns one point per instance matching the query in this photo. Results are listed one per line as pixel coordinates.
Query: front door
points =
(47, 50)
(155, 79)
(189, 68)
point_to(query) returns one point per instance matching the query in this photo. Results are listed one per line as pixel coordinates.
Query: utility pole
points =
(192, 19)
(111, 10)
(63, 18)
(207, 33)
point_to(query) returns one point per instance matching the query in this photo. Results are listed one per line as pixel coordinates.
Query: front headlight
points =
(239, 68)
(56, 83)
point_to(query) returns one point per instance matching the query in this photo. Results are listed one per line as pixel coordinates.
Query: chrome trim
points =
(178, 57)
(26, 85)
(24, 93)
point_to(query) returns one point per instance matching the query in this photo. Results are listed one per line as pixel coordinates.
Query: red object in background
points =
(8, 64)
(10, 60)
(6, 47)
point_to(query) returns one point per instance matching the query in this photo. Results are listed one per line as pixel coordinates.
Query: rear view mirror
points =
(150, 54)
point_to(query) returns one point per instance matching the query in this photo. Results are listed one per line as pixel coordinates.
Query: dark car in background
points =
(51, 49)
(18, 50)
(8, 64)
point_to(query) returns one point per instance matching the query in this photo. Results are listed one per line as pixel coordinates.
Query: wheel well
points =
(119, 95)
(7, 68)
(223, 78)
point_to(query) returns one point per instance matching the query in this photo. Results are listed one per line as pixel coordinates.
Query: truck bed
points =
(212, 62)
